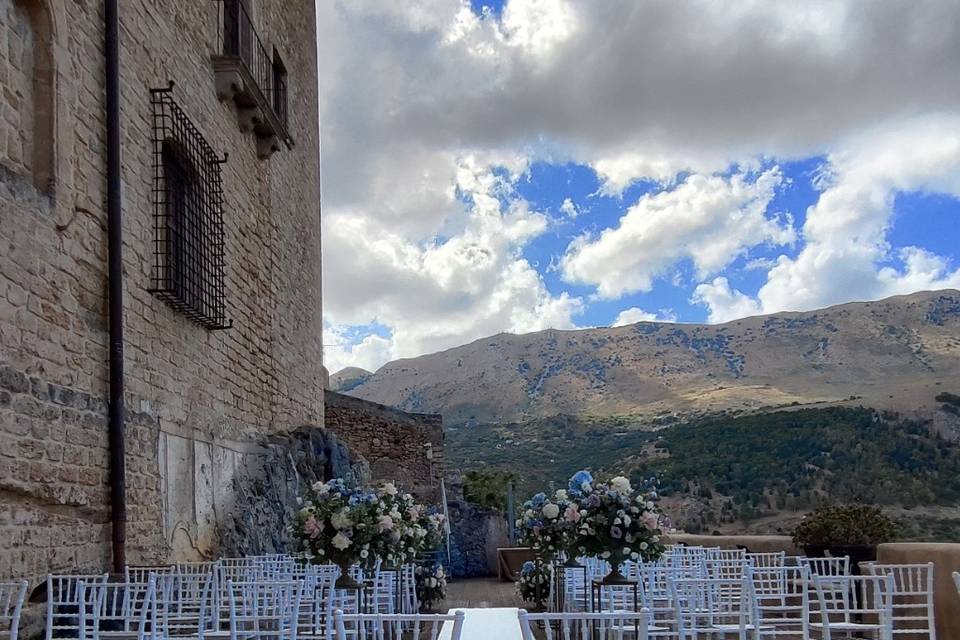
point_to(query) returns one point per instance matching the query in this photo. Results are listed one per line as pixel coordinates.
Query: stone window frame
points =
(43, 108)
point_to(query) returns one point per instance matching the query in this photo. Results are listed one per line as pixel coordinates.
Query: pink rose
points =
(312, 527)
(571, 514)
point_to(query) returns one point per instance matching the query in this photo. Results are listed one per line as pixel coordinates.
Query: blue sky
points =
(497, 170)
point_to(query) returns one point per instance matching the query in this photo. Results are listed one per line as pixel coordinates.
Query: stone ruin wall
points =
(398, 446)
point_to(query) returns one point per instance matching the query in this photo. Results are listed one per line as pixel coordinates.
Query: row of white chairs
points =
(756, 583)
(207, 599)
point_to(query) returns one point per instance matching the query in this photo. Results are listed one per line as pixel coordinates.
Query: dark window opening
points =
(279, 88)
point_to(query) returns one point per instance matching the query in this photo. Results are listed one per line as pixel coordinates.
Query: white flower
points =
(390, 489)
(364, 554)
(385, 523)
(605, 555)
(340, 541)
(643, 546)
(621, 484)
(551, 511)
(650, 506)
(340, 520)
(319, 486)
(561, 494)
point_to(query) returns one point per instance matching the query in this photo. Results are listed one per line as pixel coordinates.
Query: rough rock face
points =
(475, 533)
(267, 490)
(888, 354)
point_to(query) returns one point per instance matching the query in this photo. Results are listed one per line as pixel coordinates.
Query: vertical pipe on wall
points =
(118, 493)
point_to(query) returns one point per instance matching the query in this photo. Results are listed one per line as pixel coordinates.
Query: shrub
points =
(854, 524)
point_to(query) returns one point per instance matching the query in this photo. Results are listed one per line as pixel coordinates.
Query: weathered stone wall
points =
(201, 403)
(398, 446)
(476, 533)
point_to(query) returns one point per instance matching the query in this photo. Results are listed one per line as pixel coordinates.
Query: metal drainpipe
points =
(118, 490)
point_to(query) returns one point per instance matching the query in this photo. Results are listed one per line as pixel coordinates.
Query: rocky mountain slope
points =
(892, 354)
(348, 378)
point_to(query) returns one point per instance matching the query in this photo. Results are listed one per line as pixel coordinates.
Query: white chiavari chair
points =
(711, 606)
(117, 610)
(141, 573)
(911, 599)
(263, 609)
(378, 626)
(850, 605)
(611, 625)
(63, 603)
(782, 596)
(188, 604)
(726, 554)
(317, 606)
(408, 589)
(576, 588)
(722, 569)
(385, 592)
(12, 596)
(764, 560)
(826, 567)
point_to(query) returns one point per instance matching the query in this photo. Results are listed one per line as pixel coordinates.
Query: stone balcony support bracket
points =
(234, 82)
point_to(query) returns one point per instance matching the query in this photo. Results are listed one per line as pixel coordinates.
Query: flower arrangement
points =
(546, 524)
(533, 584)
(613, 521)
(401, 536)
(431, 585)
(339, 524)
(347, 525)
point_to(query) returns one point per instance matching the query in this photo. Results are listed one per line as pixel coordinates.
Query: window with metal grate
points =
(189, 263)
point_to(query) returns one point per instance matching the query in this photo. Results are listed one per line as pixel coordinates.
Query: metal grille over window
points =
(189, 268)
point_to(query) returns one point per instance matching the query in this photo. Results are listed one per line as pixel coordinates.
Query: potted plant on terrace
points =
(852, 530)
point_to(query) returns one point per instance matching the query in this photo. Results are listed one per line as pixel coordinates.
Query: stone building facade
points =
(202, 404)
(406, 448)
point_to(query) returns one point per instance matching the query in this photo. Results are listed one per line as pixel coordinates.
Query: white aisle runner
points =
(486, 624)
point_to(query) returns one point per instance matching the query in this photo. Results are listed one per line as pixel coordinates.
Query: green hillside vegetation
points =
(744, 469)
(796, 459)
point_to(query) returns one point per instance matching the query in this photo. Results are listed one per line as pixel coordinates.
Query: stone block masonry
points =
(203, 406)
(398, 446)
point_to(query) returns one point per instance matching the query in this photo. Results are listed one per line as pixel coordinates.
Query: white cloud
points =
(724, 302)
(445, 292)
(420, 99)
(634, 315)
(710, 220)
(845, 232)
(369, 353)
(569, 209)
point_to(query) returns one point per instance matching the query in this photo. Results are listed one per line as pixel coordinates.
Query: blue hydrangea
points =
(575, 485)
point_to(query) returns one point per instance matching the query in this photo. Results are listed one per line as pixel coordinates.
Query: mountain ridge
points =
(888, 354)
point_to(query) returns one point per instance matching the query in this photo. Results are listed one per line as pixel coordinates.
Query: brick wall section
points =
(393, 442)
(196, 398)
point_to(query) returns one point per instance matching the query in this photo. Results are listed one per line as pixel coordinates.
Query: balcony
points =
(255, 81)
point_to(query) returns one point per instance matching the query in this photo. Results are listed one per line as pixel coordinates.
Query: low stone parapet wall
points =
(946, 559)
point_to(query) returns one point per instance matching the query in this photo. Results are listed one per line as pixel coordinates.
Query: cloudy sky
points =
(511, 166)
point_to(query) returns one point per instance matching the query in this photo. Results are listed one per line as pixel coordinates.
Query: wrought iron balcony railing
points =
(251, 77)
